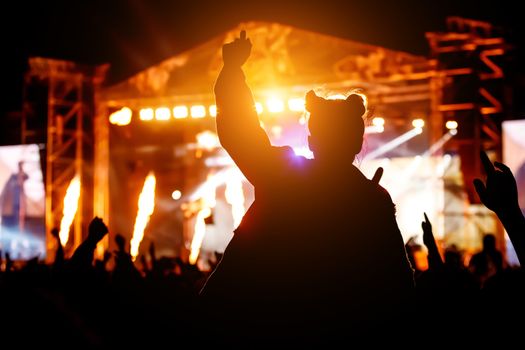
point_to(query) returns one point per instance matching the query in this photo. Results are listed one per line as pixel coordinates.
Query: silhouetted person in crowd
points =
(488, 262)
(319, 253)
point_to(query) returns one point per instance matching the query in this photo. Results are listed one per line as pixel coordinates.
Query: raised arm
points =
(500, 194)
(237, 122)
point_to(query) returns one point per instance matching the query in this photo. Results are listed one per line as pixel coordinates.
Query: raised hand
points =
(500, 191)
(428, 236)
(97, 229)
(234, 54)
(434, 258)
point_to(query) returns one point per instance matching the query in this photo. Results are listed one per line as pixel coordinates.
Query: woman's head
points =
(336, 126)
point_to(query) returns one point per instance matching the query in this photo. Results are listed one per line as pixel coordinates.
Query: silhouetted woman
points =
(319, 253)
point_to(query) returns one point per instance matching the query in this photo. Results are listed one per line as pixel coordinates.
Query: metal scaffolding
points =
(68, 113)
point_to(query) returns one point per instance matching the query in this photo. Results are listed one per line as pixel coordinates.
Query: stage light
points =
(451, 125)
(296, 104)
(207, 140)
(213, 111)
(176, 195)
(393, 144)
(146, 114)
(121, 117)
(180, 112)
(274, 105)
(418, 123)
(258, 107)
(162, 113)
(378, 121)
(453, 132)
(198, 111)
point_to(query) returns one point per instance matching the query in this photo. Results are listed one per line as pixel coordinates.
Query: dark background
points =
(135, 34)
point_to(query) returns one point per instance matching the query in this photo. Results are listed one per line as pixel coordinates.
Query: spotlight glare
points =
(453, 132)
(275, 105)
(451, 125)
(418, 123)
(146, 114)
(378, 121)
(162, 113)
(180, 112)
(296, 104)
(121, 117)
(176, 195)
(198, 111)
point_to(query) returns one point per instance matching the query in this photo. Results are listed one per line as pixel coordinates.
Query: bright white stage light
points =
(162, 113)
(451, 125)
(176, 195)
(275, 105)
(180, 112)
(296, 104)
(198, 112)
(418, 123)
(378, 121)
(146, 114)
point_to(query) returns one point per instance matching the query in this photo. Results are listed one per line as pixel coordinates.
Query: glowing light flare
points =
(180, 112)
(213, 111)
(70, 209)
(162, 113)
(198, 112)
(296, 104)
(418, 123)
(146, 114)
(121, 117)
(176, 195)
(378, 121)
(393, 143)
(207, 140)
(451, 125)
(208, 201)
(235, 197)
(146, 206)
(198, 234)
(275, 105)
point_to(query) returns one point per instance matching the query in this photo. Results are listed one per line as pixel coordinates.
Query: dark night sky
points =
(134, 34)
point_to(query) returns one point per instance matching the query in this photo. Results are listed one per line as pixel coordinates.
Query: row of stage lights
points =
(123, 116)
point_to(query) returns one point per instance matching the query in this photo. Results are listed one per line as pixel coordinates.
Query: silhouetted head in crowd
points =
(336, 127)
(489, 242)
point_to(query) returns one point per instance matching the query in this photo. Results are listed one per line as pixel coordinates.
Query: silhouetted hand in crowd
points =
(84, 254)
(499, 193)
(434, 258)
(236, 53)
(59, 254)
